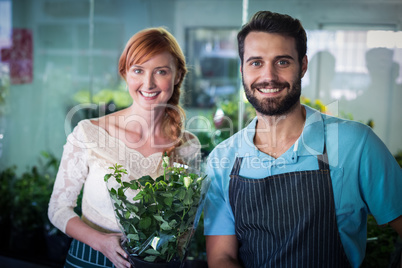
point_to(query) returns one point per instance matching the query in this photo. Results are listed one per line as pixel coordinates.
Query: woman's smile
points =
(149, 94)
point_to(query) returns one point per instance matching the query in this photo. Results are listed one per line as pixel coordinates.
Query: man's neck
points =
(276, 134)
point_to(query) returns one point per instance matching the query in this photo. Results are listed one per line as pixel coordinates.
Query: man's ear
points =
(304, 65)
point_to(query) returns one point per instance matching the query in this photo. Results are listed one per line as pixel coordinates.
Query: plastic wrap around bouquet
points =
(158, 217)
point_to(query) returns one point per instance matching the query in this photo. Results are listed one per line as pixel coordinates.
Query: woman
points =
(153, 66)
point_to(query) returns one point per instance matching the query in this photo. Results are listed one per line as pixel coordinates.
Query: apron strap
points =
(323, 163)
(236, 167)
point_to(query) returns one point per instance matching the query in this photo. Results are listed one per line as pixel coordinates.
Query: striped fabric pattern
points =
(83, 256)
(277, 223)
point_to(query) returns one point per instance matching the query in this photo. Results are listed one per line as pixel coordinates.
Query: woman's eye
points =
(162, 72)
(137, 71)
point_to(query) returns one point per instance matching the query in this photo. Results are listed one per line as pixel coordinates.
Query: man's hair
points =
(270, 22)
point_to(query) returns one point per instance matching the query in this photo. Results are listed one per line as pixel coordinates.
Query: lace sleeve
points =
(190, 151)
(69, 180)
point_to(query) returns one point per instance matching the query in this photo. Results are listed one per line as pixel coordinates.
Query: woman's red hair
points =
(143, 46)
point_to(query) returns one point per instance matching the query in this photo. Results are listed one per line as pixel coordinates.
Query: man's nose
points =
(269, 73)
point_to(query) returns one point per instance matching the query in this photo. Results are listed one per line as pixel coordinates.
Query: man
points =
(294, 188)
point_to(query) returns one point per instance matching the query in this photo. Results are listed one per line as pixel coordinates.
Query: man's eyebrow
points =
(276, 58)
(284, 57)
(253, 58)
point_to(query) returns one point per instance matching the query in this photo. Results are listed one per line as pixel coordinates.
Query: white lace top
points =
(88, 153)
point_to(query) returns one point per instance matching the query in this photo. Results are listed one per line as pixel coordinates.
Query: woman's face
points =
(151, 83)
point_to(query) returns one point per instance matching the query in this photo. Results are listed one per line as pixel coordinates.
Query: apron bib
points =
(287, 220)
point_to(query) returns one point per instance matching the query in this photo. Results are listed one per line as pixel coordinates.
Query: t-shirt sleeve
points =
(218, 216)
(380, 180)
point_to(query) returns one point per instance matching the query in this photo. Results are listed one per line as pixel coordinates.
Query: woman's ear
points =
(178, 78)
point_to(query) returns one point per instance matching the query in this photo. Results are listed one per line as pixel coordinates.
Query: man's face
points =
(271, 72)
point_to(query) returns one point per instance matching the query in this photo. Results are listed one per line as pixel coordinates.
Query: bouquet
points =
(158, 217)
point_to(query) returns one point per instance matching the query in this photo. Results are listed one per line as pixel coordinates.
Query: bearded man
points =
(294, 188)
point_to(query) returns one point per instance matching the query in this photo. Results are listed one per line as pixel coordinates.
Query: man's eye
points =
(283, 62)
(256, 63)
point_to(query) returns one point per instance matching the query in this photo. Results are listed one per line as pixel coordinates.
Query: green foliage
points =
(118, 95)
(30, 193)
(158, 220)
(380, 244)
(398, 157)
(7, 177)
(317, 104)
(224, 122)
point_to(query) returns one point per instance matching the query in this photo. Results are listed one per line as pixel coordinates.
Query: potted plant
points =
(158, 217)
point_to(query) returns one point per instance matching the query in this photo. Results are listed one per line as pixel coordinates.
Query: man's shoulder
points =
(241, 139)
(346, 126)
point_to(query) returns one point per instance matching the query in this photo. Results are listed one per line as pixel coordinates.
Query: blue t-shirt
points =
(366, 178)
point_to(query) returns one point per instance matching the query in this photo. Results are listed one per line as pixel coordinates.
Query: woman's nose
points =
(149, 82)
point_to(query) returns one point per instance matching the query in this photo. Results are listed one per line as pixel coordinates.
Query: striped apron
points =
(83, 256)
(287, 220)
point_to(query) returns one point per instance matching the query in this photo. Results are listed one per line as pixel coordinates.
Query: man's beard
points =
(274, 106)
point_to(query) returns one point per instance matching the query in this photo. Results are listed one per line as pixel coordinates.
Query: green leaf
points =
(159, 218)
(166, 194)
(173, 223)
(145, 223)
(152, 252)
(133, 237)
(165, 226)
(120, 192)
(127, 215)
(181, 194)
(138, 196)
(143, 180)
(107, 177)
(177, 207)
(150, 258)
(122, 170)
(168, 201)
(132, 207)
(134, 186)
(160, 178)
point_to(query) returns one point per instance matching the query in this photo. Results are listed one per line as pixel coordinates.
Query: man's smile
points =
(268, 90)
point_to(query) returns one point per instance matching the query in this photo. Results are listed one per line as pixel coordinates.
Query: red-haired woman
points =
(153, 66)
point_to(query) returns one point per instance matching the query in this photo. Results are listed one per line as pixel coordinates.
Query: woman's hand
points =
(111, 248)
(108, 244)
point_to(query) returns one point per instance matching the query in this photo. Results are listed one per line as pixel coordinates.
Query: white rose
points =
(187, 181)
(165, 161)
